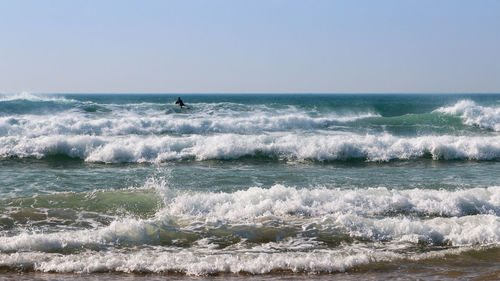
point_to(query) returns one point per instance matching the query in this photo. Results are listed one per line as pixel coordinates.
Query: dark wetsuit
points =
(179, 102)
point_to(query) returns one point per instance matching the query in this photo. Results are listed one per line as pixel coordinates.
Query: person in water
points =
(179, 102)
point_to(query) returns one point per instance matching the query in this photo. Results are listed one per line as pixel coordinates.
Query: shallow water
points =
(269, 186)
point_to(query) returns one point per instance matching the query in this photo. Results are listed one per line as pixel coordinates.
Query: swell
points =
(143, 202)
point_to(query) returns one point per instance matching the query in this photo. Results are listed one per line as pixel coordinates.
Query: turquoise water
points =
(240, 184)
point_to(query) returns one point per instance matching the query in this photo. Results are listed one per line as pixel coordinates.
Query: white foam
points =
(321, 147)
(472, 114)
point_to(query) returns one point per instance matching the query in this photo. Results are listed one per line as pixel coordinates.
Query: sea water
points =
(282, 186)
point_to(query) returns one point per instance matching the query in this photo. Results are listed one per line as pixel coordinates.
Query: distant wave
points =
(232, 146)
(31, 97)
(476, 115)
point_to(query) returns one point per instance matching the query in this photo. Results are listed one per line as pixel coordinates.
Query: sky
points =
(252, 46)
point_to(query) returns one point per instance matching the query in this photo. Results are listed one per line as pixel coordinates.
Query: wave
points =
(339, 147)
(281, 201)
(277, 201)
(125, 122)
(475, 115)
(260, 231)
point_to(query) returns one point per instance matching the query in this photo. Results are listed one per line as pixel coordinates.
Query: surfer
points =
(179, 102)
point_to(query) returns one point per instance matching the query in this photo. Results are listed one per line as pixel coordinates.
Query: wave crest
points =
(31, 97)
(475, 115)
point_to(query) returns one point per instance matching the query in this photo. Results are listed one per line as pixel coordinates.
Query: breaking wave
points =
(339, 147)
(158, 123)
(281, 201)
(475, 115)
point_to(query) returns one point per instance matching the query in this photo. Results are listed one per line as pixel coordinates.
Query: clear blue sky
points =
(249, 46)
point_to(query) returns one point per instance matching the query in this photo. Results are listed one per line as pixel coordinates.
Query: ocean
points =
(240, 186)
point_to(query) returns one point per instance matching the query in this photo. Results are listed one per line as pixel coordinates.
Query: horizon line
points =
(252, 93)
